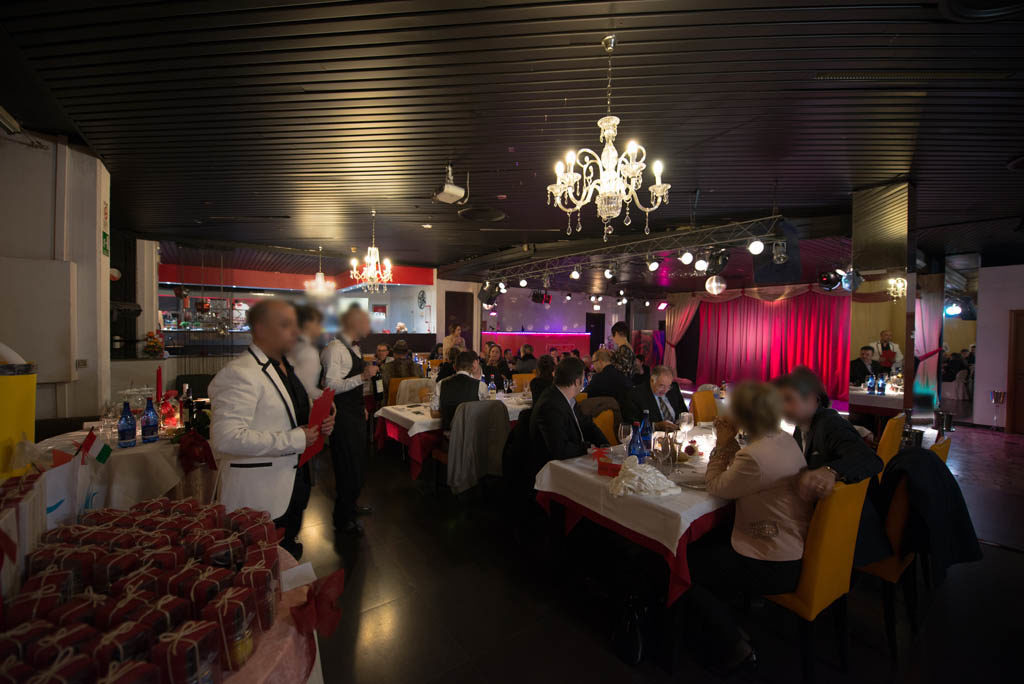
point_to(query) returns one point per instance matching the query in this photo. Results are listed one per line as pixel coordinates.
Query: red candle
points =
(159, 382)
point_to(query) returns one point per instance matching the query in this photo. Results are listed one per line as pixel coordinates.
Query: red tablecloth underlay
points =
(420, 445)
(679, 570)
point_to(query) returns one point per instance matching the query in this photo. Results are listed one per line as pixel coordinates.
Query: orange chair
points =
(434, 363)
(893, 569)
(827, 564)
(889, 444)
(605, 422)
(521, 381)
(703, 406)
(393, 389)
(941, 447)
(581, 396)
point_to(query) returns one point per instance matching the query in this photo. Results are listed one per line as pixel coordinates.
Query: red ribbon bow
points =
(193, 451)
(320, 612)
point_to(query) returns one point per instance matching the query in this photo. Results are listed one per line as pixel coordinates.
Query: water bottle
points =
(126, 428)
(880, 384)
(871, 384)
(646, 434)
(492, 389)
(636, 445)
(150, 423)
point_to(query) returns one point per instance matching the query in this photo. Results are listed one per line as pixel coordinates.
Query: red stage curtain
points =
(752, 339)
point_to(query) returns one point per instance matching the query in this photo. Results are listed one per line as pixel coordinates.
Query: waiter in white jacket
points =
(259, 425)
(304, 356)
(344, 372)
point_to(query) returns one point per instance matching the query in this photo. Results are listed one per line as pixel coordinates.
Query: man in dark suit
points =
(464, 386)
(861, 368)
(608, 381)
(660, 397)
(558, 429)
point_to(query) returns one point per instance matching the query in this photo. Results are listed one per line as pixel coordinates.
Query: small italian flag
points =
(92, 446)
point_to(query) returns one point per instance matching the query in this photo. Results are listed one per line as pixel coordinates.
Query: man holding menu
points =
(259, 426)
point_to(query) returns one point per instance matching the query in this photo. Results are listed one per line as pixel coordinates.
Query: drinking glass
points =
(685, 421)
(625, 433)
(661, 451)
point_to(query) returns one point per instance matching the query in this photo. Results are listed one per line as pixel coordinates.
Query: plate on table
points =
(688, 477)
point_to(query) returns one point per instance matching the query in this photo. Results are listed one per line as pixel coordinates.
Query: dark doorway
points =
(458, 310)
(1015, 377)
(595, 326)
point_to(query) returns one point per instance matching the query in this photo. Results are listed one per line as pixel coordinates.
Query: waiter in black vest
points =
(345, 372)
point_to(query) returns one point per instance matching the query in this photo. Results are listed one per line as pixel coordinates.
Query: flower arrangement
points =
(692, 449)
(154, 345)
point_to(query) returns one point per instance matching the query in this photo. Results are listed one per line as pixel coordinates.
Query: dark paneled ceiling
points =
(283, 123)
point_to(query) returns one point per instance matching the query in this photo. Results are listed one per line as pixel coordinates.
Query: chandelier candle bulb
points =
(658, 168)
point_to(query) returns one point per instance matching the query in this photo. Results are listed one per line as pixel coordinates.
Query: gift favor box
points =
(189, 654)
(33, 605)
(80, 608)
(267, 554)
(196, 541)
(80, 560)
(14, 642)
(13, 671)
(128, 641)
(144, 578)
(212, 516)
(48, 648)
(240, 518)
(68, 668)
(117, 611)
(165, 614)
(113, 566)
(225, 553)
(109, 538)
(60, 580)
(130, 672)
(159, 505)
(107, 516)
(164, 557)
(265, 589)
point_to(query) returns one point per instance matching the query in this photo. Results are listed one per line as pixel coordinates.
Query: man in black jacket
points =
(834, 453)
(660, 397)
(861, 368)
(558, 429)
(608, 381)
(464, 386)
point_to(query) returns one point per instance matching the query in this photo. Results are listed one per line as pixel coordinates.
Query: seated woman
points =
(437, 353)
(494, 365)
(545, 376)
(447, 368)
(763, 555)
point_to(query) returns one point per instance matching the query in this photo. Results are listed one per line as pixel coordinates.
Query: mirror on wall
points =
(959, 334)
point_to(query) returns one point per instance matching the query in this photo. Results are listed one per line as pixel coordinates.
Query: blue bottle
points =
(126, 428)
(492, 389)
(871, 384)
(150, 423)
(636, 444)
(880, 385)
(646, 435)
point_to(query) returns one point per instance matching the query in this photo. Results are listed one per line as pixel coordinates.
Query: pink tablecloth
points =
(420, 445)
(282, 656)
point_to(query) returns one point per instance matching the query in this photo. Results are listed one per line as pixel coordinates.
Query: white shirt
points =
(306, 361)
(877, 346)
(337, 363)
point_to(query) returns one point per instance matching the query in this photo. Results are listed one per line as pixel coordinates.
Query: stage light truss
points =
(636, 251)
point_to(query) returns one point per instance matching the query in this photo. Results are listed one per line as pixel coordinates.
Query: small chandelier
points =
(612, 178)
(897, 288)
(319, 286)
(375, 274)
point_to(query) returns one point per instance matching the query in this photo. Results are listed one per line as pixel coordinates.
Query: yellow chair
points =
(393, 389)
(889, 444)
(703, 406)
(941, 447)
(827, 563)
(893, 569)
(581, 396)
(435, 363)
(605, 422)
(521, 381)
(425, 393)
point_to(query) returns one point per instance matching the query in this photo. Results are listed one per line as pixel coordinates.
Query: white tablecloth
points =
(130, 475)
(891, 401)
(664, 519)
(415, 418)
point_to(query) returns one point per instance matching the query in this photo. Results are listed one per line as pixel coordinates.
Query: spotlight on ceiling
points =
(652, 264)
(546, 282)
(568, 297)
(501, 285)
(717, 262)
(647, 302)
(840, 272)
(755, 247)
(701, 264)
(522, 282)
(829, 280)
(953, 309)
(575, 275)
(600, 298)
(715, 285)
(427, 226)
(608, 273)
(662, 306)
(622, 293)
(852, 280)
(686, 258)
(780, 253)
(593, 298)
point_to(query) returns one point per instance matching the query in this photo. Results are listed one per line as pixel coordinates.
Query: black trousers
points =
(291, 520)
(348, 452)
(719, 574)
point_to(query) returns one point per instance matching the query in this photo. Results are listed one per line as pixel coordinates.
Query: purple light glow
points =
(662, 306)
(498, 332)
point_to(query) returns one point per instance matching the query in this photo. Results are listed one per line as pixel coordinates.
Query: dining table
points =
(414, 426)
(665, 524)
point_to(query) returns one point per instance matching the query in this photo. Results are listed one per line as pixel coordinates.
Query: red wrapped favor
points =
(13, 671)
(61, 580)
(225, 553)
(212, 516)
(188, 654)
(68, 668)
(108, 537)
(233, 611)
(80, 560)
(196, 541)
(206, 586)
(105, 516)
(143, 578)
(80, 608)
(154, 521)
(164, 615)
(183, 507)
(155, 539)
(176, 581)
(113, 566)
(260, 532)
(130, 672)
(50, 646)
(159, 505)
(127, 641)
(117, 611)
(164, 557)
(240, 518)
(65, 534)
(267, 554)
(31, 606)
(265, 590)
(15, 642)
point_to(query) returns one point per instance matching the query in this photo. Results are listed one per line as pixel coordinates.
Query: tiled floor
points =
(470, 590)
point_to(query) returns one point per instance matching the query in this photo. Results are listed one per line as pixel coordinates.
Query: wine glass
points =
(661, 450)
(685, 422)
(625, 433)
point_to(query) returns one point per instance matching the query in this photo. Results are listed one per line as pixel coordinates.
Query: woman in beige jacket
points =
(762, 554)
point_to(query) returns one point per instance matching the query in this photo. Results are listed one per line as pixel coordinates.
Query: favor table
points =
(663, 524)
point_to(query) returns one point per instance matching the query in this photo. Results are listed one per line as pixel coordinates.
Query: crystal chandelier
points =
(319, 286)
(375, 274)
(613, 178)
(897, 288)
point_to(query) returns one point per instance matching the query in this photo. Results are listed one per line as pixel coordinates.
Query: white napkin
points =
(634, 478)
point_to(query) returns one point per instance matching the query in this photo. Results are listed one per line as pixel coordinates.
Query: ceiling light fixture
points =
(686, 258)
(428, 226)
(652, 264)
(622, 293)
(568, 297)
(593, 298)
(647, 302)
(662, 306)
(613, 178)
(953, 309)
(755, 247)
(319, 286)
(375, 274)
(701, 264)
(829, 280)
(597, 307)
(575, 275)
(608, 273)
(897, 288)
(780, 252)
(522, 282)
(600, 298)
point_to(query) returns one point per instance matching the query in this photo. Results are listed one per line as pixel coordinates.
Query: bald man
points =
(344, 372)
(260, 423)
